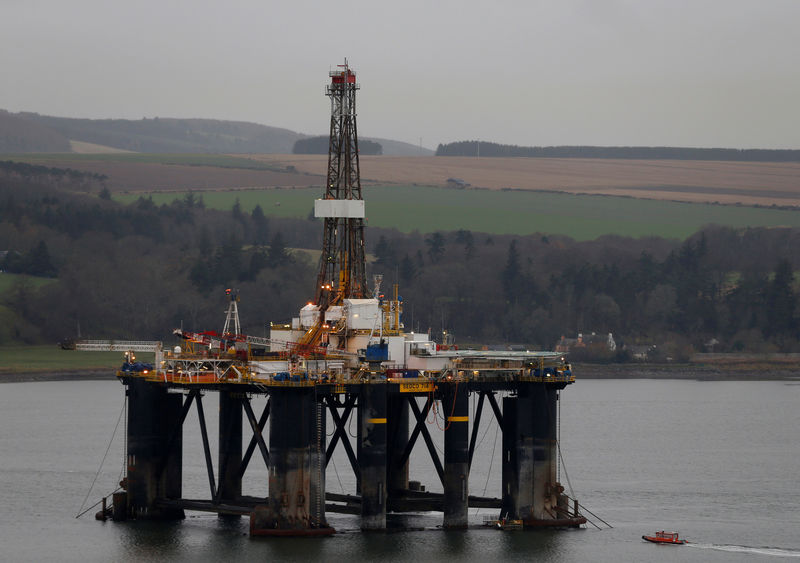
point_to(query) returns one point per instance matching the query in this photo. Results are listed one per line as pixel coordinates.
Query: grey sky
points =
(595, 72)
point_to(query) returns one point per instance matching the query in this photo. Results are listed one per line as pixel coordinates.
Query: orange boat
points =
(665, 537)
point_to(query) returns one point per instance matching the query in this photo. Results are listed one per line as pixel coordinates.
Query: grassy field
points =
(582, 217)
(50, 358)
(7, 281)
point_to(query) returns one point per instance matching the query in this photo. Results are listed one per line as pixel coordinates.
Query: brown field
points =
(748, 183)
(82, 147)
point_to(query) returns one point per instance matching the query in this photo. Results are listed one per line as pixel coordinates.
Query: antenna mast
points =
(232, 325)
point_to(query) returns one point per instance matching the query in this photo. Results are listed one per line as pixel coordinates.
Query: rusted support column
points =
(294, 507)
(154, 462)
(455, 405)
(372, 455)
(545, 456)
(230, 447)
(530, 491)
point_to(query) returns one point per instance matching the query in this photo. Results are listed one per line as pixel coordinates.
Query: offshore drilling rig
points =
(345, 357)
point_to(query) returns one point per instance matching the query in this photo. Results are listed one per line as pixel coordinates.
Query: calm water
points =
(717, 461)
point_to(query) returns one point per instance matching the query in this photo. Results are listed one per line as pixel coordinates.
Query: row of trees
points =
(488, 149)
(138, 271)
(320, 145)
(733, 287)
(63, 177)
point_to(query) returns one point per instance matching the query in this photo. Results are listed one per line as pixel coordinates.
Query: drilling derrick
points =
(342, 272)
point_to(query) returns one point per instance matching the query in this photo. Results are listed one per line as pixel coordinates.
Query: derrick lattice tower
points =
(342, 272)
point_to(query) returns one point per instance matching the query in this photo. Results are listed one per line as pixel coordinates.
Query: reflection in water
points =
(151, 540)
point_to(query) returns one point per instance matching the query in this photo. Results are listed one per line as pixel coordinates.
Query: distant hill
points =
(18, 134)
(32, 132)
(168, 135)
(487, 149)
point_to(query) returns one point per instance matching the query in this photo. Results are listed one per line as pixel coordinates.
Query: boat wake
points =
(773, 551)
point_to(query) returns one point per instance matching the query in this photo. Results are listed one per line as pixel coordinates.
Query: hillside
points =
(18, 134)
(31, 132)
(399, 148)
(167, 135)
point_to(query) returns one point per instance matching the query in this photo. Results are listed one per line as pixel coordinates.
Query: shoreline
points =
(60, 375)
(744, 371)
(777, 371)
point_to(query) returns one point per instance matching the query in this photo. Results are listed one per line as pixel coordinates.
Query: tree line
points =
(140, 270)
(488, 149)
(732, 286)
(62, 177)
(320, 145)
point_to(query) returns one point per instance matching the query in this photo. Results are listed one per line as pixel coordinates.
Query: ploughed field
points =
(749, 183)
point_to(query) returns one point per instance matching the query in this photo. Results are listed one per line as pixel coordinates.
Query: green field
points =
(582, 217)
(51, 358)
(8, 281)
(218, 160)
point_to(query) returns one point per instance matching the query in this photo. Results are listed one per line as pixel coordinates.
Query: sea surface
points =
(717, 461)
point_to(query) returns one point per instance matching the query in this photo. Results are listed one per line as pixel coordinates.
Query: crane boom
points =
(118, 345)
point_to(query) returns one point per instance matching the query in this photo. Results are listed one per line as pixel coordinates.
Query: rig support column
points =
(455, 405)
(397, 438)
(515, 494)
(230, 446)
(530, 491)
(293, 454)
(154, 463)
(544, 416)
(372, 455)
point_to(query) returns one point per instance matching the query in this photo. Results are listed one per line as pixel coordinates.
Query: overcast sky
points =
(721, 73)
